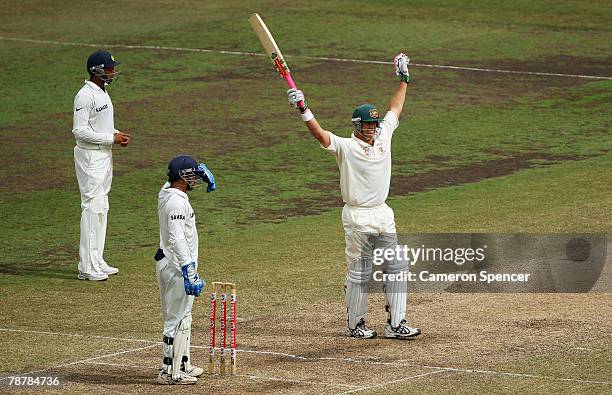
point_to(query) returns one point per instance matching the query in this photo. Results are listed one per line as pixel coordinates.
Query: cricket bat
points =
(272, 50)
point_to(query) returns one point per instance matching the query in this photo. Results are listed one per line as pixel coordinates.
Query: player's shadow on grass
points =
(59, 273)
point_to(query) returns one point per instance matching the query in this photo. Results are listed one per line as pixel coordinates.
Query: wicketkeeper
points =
(364, 160)
(177, 264)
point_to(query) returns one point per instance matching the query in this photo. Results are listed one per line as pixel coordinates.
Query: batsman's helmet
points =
(186, 168)
(98, 62)
(365, 113)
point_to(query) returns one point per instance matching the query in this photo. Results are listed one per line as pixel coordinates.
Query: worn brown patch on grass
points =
(402, 185)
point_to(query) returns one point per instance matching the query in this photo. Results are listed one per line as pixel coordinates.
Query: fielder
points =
(364, 161)
(94, 130)
(177, 264)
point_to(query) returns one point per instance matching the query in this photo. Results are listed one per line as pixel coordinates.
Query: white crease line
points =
(526, 375)
(122, 365)
(339, 359)
(82, 361)
(78, 335)
(244, 53)
(381, 385)
(248, 376)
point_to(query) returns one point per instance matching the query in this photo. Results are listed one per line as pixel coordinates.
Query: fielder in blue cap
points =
(94, 130)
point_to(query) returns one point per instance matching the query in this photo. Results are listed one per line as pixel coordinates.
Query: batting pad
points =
(181, 339)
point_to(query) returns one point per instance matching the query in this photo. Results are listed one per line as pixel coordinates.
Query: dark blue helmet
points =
(100, 60)
(178, 165)
(186, 168)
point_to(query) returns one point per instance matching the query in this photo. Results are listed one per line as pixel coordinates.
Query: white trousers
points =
(366, 229)
(94, 172)
(175, 303)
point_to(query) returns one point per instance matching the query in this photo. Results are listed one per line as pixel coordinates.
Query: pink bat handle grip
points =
(289, 80)
(292, 85)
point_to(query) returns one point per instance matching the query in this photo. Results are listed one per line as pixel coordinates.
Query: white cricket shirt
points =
(365, 170)
(93, 122)
(178, 235)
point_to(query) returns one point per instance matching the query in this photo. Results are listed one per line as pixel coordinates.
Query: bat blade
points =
(269, 44)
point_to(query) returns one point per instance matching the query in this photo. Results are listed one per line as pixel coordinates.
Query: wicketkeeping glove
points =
(193, 282)
(296, 96)
(401, 62)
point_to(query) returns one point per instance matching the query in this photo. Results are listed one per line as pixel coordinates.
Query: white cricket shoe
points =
(165, 378)
(108, 269)
(194, 371)
(93, 276)
(403, 331)
(361, 331)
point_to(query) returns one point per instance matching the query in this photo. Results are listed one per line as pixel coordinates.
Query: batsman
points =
(364, 160)
(177, 264)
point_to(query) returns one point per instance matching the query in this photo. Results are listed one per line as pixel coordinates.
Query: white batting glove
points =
(401, 62)
(296, 96)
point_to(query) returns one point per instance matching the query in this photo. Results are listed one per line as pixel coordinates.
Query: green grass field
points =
(475, 152)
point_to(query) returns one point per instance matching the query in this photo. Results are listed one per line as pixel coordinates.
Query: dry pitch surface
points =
(469, 342)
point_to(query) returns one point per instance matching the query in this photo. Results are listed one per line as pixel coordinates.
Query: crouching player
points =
(177, 264)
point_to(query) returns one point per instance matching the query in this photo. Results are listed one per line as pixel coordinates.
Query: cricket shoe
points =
(165, 378)
(108, 269)
(193, 371)
(361, 331)
(403, 331)
(93, 276)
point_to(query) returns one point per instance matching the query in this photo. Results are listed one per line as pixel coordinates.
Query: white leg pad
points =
(356, 290)
(395, 291)
(187, 353)
(179, 347)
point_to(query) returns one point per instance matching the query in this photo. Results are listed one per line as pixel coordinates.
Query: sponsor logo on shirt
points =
(104, 107)
(177, 216)
(371, 152)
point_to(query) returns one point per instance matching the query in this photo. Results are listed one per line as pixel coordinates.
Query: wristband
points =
(307, 116)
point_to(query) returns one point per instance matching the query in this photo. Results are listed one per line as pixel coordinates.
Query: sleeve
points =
(82, 130)
(389, 123)
(177, 242)
(335, 148)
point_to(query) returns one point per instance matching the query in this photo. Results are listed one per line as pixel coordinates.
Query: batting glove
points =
(401, 62)
(296, 96)
(193, 282)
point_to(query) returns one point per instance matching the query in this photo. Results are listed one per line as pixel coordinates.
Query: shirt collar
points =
(93, 86)
(361, 142)
(175, 191)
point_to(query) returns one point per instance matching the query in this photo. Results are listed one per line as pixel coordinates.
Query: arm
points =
(317, 131)
(82, 130)
(83, 104)
(397, 101)
(396, 104)
(296, 97)
(177, 243)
